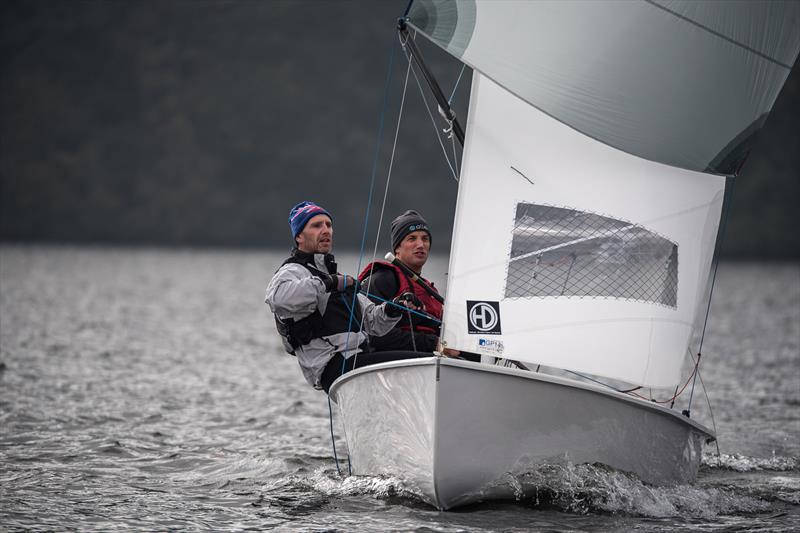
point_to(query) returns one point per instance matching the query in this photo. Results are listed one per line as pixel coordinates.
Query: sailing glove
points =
(339, 282)
(405, 300)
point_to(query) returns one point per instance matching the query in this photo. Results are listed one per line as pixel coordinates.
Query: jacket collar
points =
(319, 261)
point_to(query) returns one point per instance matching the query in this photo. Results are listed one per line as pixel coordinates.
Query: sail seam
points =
(719, 34)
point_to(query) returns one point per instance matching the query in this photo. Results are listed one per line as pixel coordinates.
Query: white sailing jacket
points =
(295, 293)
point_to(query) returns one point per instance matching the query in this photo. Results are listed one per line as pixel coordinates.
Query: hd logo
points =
(483, 317)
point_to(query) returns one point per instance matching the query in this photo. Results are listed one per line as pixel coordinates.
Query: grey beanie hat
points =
(408, 222)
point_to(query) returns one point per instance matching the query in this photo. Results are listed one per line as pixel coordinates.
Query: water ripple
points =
(146, 390)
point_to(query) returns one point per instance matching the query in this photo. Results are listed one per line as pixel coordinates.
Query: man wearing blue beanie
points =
(319, 314)
(299, 217)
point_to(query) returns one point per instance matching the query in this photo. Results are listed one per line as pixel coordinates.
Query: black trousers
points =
(334, 367)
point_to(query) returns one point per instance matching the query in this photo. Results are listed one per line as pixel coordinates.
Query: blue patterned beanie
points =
(302, 213)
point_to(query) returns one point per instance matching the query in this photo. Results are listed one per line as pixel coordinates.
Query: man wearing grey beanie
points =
(411, 244)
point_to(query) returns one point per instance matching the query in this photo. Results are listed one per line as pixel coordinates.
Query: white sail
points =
(591, 194)
(684, 83)
(594, 258)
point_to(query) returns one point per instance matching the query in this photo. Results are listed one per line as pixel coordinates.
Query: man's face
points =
(317, 236)
(413, 249)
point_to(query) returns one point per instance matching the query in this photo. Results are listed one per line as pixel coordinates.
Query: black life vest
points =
(432, 306)
(337, 317)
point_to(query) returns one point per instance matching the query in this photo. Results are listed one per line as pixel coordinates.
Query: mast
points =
(444, 105)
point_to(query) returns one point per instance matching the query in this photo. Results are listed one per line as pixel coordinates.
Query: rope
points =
(388, 176)
(711, 292)
(450, 100)
(675, 394)
(404, 308)
(411, 330)
(385, 197)
(378, 143)
(598, 382)
(450, 103)
(694, 373)
(333, 441)
(430, 114)
(366, 223)
(350, 309)
(710, 410)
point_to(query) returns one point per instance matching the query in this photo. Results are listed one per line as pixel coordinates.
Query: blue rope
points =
(349, 308)
(711, 292)
(364, 235)
(404, 308)
(378, 143)
(450, 100)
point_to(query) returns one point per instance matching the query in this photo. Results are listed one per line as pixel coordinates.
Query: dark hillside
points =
(200, 122)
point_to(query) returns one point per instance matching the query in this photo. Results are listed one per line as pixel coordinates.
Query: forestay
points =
(589, 200)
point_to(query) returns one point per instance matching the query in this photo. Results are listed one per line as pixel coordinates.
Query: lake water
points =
(146, 389)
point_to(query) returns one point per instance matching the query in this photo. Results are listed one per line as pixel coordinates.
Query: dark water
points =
(144, 389)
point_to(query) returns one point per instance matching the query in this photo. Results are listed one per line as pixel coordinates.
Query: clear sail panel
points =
(560, 252)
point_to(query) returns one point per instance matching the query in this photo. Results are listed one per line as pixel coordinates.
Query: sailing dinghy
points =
(600, 142)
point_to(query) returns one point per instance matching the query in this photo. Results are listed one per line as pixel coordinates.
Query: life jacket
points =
(405, 284)
(337, 317)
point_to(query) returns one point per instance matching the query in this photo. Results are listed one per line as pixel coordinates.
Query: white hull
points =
(457, 432)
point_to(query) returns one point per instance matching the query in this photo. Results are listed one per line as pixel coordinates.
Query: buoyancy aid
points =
(405, 284)
(336, 318)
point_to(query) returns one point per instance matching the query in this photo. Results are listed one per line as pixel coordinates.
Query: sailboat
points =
(601, 144)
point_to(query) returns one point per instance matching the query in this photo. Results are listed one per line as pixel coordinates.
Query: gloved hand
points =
(406, 299)
(339, 282)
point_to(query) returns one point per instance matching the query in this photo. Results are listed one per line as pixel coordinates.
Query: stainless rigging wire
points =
(430, 114)
(710, 409)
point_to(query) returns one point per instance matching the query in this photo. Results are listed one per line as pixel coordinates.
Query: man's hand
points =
(409, 299)
(339, 282)
(405, 300)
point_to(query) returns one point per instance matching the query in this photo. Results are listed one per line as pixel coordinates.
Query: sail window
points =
(557, 251)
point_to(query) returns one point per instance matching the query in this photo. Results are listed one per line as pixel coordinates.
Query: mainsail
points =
(598, 142)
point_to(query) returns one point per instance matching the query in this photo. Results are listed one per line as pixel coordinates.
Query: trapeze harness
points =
(317, 325)
(432, 306)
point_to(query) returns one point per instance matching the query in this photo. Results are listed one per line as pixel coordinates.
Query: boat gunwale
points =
(526, 374)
